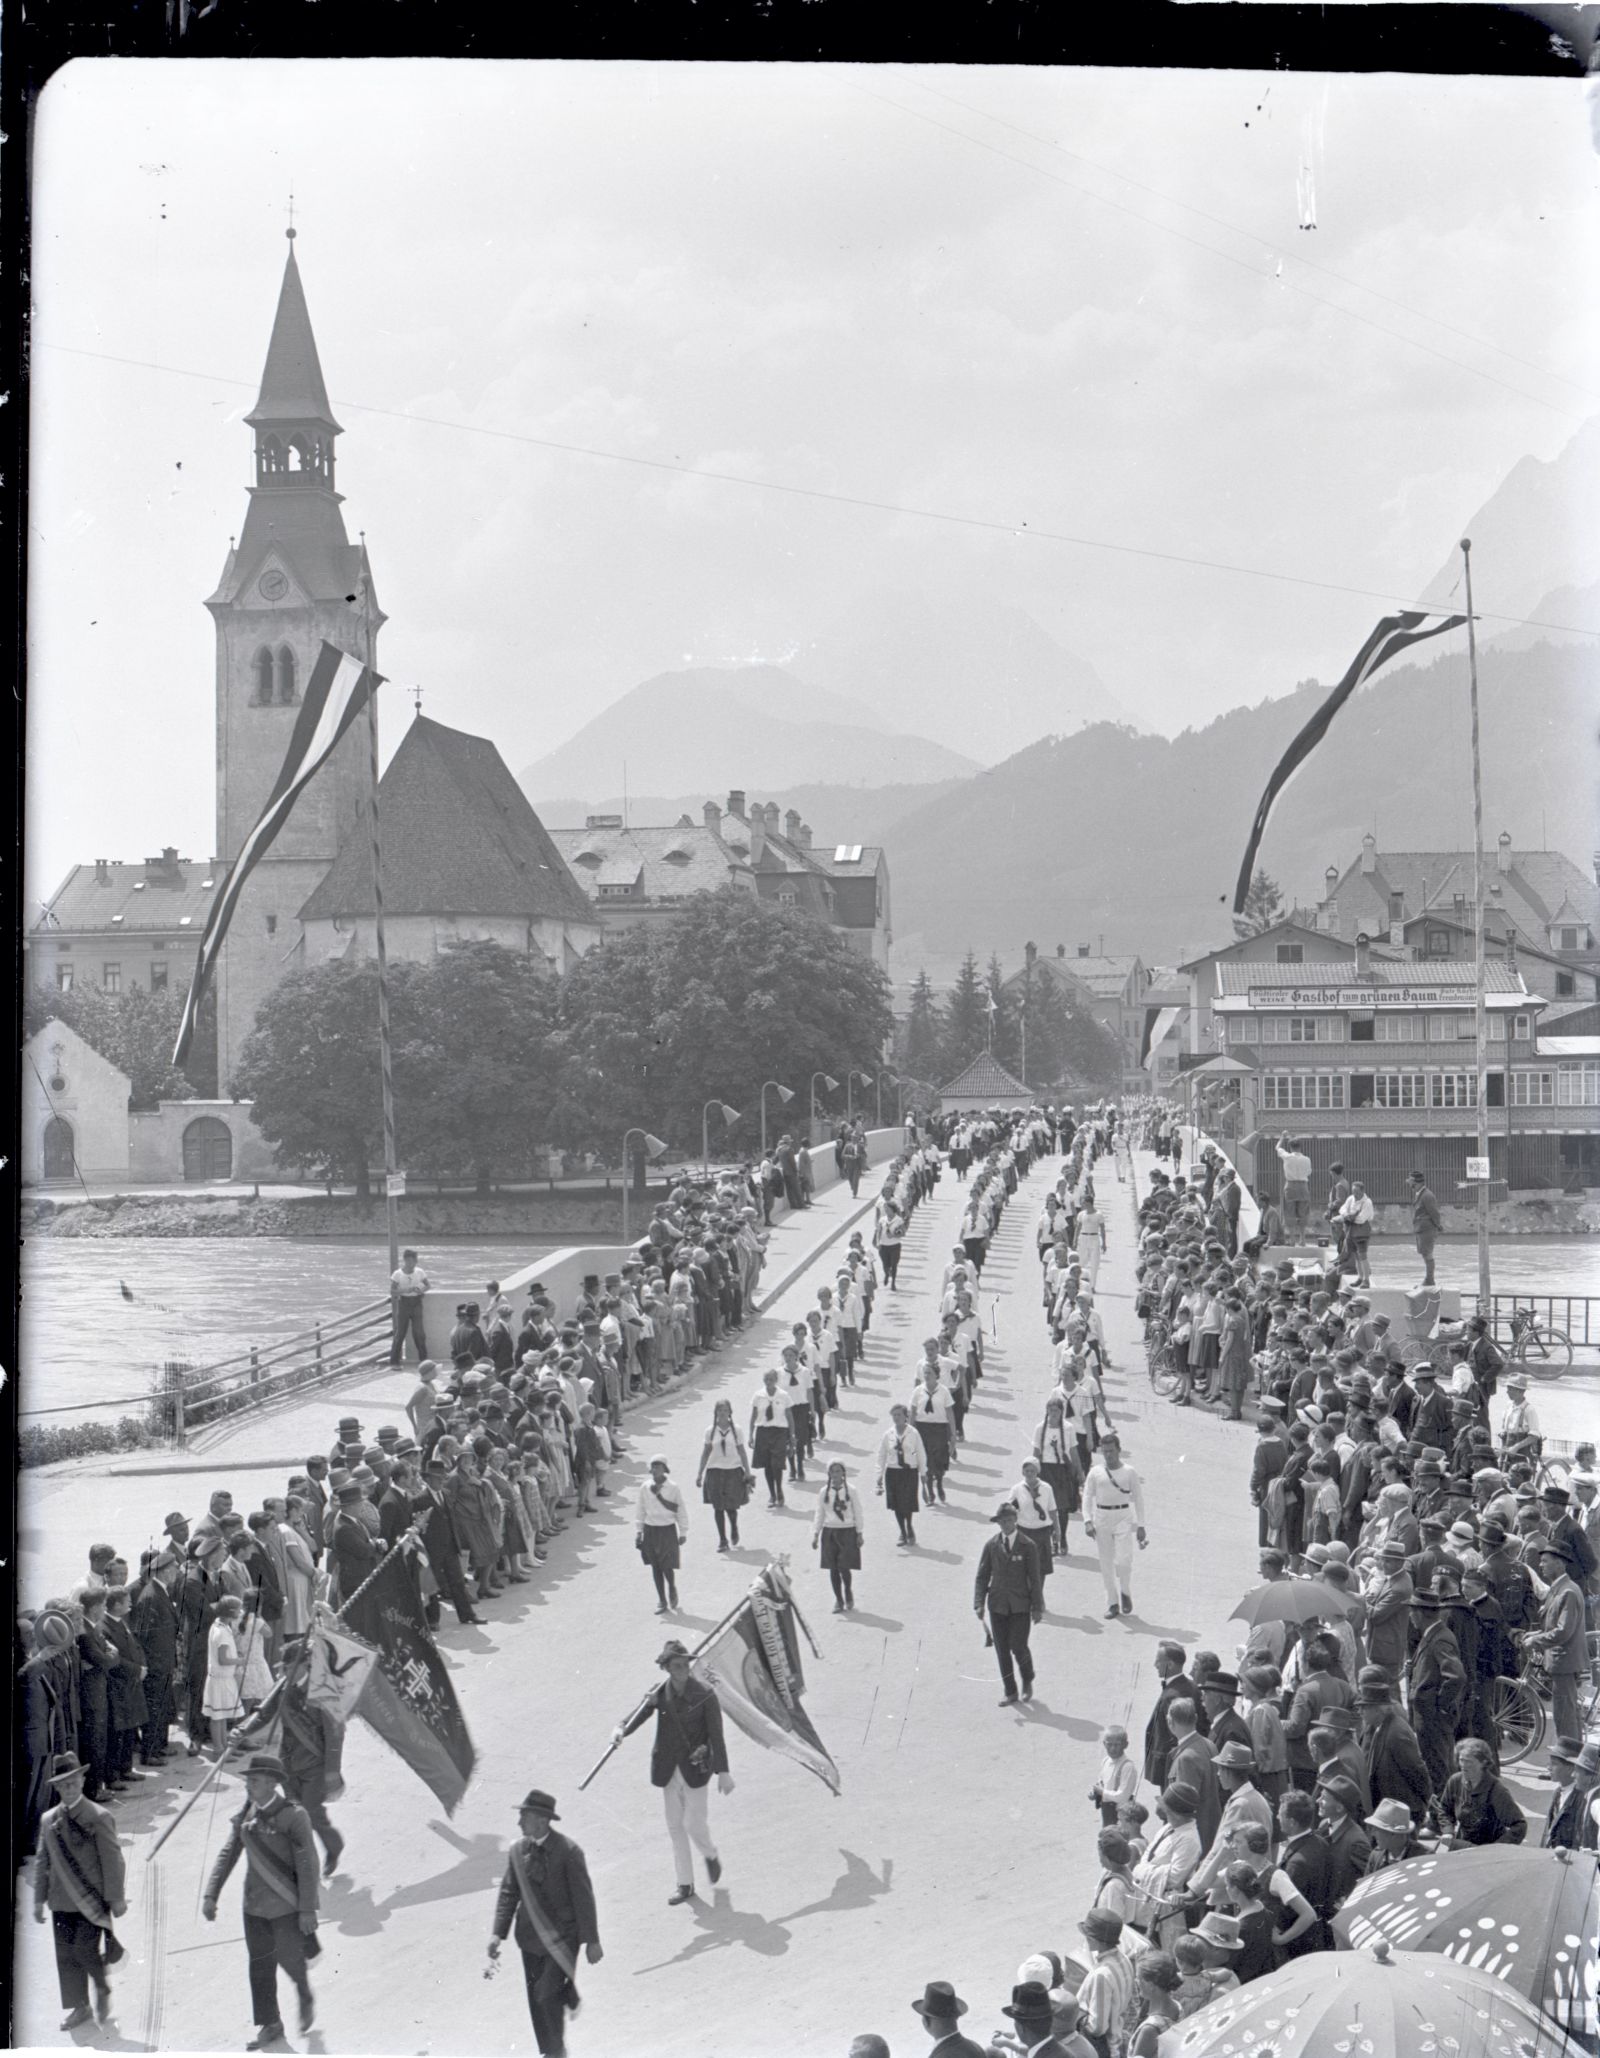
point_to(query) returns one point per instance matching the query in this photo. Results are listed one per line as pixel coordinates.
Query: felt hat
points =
(1461, 1532)
(536, 1797)
(1101, 1926)
(1030, 2002)
(1342, 1721)
(1180, 1799)
(1586, 1757)
(66, 1765)
(1220, 1930)
(1394, 1817)
(1557, 1494)
(264, 1763)
(339, 1478)
(1516, 1384)
(1434, 1522)
(671, 1649)
(1492, 1534)
(1343, 1790)
(939, 1997)
(1236, 1757)
(174, 1521)
(1375, 1679)
(351, 1423)
(388, 1434)
(350, 1491)
(1220, 1683)
(1005, 1508)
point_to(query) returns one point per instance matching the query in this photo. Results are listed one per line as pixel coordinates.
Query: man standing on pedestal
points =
(547, 1894)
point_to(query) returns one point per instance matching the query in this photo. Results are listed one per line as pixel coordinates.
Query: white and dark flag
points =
(1394, 634)
(336, 693)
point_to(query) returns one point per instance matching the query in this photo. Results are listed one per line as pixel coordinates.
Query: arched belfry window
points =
(262, 670)
(286, 692)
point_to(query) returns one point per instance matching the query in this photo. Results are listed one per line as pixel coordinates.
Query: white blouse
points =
(828, 1516)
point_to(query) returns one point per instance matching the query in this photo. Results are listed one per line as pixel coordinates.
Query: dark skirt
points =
(800, 1422)
(726, 1487)
(936, 1441)
(1209, 1352)
(900, 1489)
(841, 1550)
(1062, 1481)
(1040, 1539)
(661, 1545)
(772, 1443)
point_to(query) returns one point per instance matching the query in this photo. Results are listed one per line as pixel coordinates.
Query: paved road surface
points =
(962, 1841)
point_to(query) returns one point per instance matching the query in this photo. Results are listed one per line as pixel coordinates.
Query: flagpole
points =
(1480, 1011)
(385, 1058)
(709, 1638)
(222, 1755)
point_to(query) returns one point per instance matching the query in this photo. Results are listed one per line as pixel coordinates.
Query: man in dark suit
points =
(1438, 1688)
(1219, 1694)
(688, 1747)
(1192, 1763)
(351, 1547)
(1319, 1688)
(1176, 1685)
(154, 1622)
(940, 2010)
(1396, 1769)
(431, 1516)
(547, 1894)
(1305, 1857)
(1009, 1585)
(1271, 1455)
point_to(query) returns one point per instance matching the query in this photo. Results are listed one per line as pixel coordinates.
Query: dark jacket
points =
(1271, 1455)
(1157, 1736)
(1309, 1863)
(154, 1620)
(1438, 1677)
(1316, 1691)
(1389, 1621)
(1489, 1816)
(353, 1551)
(688, 1735)
(557, 1873)
(1008, 1580)
(1349, 1848)
(1396, 1770)
(127, 1705)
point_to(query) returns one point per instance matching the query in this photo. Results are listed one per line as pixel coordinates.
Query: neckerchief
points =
(841, 1502)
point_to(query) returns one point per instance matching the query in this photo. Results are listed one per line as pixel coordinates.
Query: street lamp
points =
(729, 1117)
(785, 1095)
(828, 1081)
(654, 1148)
(850, 1079)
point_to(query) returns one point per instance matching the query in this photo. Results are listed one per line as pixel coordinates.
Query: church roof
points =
(459, 837)
(292, 388)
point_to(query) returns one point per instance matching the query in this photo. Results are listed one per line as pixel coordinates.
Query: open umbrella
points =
(1530, 1918)
(1292, 1600)
(1369, 2004)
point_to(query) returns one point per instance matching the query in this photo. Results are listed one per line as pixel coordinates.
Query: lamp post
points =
(899, 1094)
(729, 1117)
(850, 1079)
(785, 1095)
(832, 1085)
(654, 1148)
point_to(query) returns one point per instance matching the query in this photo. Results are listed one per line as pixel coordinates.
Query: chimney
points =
(102, 872)
(803, 838)
(736, 801)
(758, 834)
(712, 815)
(770, 815)
(791, 825)
(1330, 877)
(1083, 950)
(1061, 948)
(1363, 957)
(1369, 852)
(1504, 856)
(1511, 949)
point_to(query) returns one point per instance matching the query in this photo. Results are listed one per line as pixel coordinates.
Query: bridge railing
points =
(1577, 1314)
(328, 1350)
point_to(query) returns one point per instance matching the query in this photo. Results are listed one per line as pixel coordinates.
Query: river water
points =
(202, 1299)
(199, 1300)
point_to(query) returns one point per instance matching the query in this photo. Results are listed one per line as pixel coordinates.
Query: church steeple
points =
(292, 417)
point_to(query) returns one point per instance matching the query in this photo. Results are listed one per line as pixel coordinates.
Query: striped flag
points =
(753, 1665)
(337, 691)
(1394, 634)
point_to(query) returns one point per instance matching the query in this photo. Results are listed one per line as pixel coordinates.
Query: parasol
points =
(1370, 2004)
(1292, 1600)
(1530, 1918)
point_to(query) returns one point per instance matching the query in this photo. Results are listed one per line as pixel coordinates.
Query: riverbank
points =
(585, 1216)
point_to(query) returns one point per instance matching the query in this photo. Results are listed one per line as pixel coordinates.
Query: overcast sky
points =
(1049, 300)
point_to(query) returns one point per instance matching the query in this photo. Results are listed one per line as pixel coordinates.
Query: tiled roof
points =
(1498, 978)
(615, 853)
(1286, 931)
(146, 897)
(1535, 884)
(1104, 977)
(459, 837)
(985, 1079)
(861, 866)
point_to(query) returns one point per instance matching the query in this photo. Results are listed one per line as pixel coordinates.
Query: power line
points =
(1016, 529)
(1294, 256)
(1226, 256)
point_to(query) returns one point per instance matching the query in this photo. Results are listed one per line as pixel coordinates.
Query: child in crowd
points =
(1119, 1776)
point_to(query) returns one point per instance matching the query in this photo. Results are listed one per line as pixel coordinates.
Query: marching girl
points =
(661, 1529)
(836, 1535)
(1053, 1446)
(725, 1473)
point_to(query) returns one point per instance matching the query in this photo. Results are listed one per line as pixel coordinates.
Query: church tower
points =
(291, 582)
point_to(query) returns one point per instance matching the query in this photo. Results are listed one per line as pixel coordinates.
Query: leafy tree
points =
(481, 1066)
(311, 1066)
(1068, 1050)
(966, 1018)
(920, 1052)
(1263, 906)
(135, 1031)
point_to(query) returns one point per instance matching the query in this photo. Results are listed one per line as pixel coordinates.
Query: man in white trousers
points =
(688, 1749)
(1113, 1515)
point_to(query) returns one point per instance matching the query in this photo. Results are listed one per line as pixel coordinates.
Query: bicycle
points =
(1517, 1707)
(1161, 1355)
(1540, 1351)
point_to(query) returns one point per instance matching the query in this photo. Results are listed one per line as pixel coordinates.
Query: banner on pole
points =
(754, 1666)
(408, 1696)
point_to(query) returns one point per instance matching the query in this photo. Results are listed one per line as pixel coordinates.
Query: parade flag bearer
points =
(273, 1834)
(688, 1748)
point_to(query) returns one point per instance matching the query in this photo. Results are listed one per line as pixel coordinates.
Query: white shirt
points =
(928, 1407)
(827, 1517)
(903, 1449)
(1107, 1492)
(1033, 1513)
(771, 1408)
(408, 1284)
(658, 1510)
